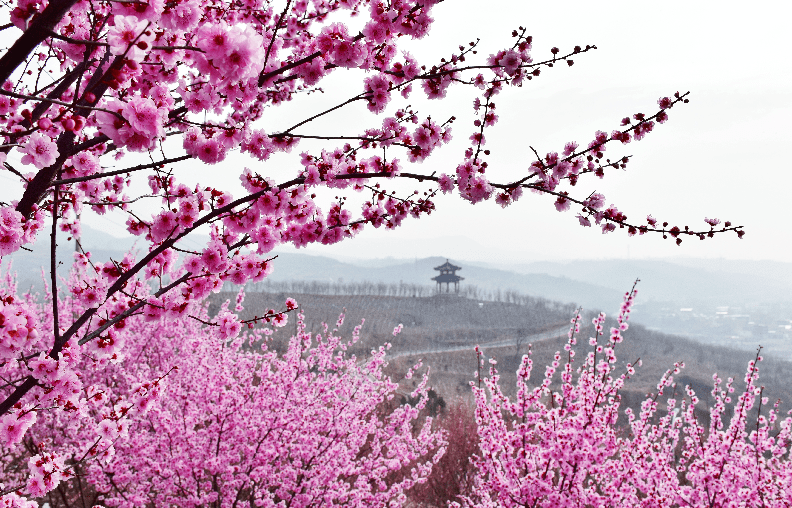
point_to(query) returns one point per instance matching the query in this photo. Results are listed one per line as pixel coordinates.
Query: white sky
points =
(723, 155)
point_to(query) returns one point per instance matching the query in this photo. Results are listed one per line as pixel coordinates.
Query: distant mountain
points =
(686, 282)
(102, 246)
(594, 284)
(289, 266)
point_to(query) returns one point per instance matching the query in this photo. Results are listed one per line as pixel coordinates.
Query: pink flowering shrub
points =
(178, 413)
(572, 446)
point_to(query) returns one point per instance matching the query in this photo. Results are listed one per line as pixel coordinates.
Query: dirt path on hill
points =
(529, 339)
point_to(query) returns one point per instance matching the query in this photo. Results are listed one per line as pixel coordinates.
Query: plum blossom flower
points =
(131, 36)
(13, 426)
(280, 319)
(379, 88)
(137, 126)
(562, 204)
(503, 199)
(11, 230)
(211, 151)
(246, 57)
(313, 71)
(183, 16)
(570, 148)
(446, 183)
(229, 325)
(510, 62)
(376, 31)
(40, 151)
(235, 53)
(86, 163)
(144, 117)
(595, 201)
(107, 429)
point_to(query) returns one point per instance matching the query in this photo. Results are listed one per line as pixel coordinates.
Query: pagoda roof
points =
(448, 277)
(447, 266)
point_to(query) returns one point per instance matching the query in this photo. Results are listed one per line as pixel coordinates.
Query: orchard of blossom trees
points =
(118, 389)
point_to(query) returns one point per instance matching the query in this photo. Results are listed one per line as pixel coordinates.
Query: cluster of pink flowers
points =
(339, 47)
(19, 329)
(227, 418)
(231, 53)
(136, 124)
(39, 150)
(130, 36)
(47, 470)
(89, 82)
(570, 446)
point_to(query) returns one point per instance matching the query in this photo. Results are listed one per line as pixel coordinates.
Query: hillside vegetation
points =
(442, 331)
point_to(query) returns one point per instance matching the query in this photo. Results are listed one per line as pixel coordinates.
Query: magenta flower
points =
(130, 36)
(40, 151)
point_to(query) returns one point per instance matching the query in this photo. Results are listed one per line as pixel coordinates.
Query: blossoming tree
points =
(87, 82)
(565, 445)
(173, 415)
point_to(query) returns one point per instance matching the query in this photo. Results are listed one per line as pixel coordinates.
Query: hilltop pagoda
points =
(447, 276)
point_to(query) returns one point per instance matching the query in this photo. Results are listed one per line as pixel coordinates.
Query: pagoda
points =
(448, 276)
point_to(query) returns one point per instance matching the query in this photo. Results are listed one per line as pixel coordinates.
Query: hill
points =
(442, 331)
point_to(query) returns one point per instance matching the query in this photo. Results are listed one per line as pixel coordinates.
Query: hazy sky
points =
(723, 155)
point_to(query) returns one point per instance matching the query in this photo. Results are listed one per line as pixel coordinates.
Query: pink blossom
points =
(184, 16)
(376, 31)
(313, 71)
(570, 148)
(595, 201)
(211, 151)
(85, 163)
(562, 204)
(446, 183)
(14, 425)
(129, 35)
(144, 117)
(280, 319)
(215, 40)
(11, 230)
(40, 151)
(510, 62)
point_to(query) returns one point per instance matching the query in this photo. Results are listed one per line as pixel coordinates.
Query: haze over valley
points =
(738, 304)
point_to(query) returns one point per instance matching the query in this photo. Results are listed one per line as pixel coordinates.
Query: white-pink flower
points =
(510, 62)
(446, 183)
(143, 126)
(236, 53)
(40, 151)
(144, 117)
(130, 35)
